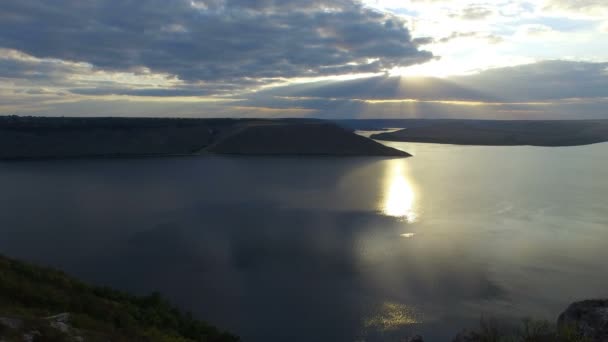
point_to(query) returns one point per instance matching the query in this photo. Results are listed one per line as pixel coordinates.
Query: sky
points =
(503, 59)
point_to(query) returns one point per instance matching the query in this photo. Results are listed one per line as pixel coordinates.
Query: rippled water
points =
(337, 249)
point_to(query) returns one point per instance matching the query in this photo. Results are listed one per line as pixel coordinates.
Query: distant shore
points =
(553, 133)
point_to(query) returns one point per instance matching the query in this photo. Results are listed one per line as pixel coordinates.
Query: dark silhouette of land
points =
(489, 132)
(45, 137)
(299, 138)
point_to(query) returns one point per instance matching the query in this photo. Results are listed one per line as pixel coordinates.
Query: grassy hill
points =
(31, 297)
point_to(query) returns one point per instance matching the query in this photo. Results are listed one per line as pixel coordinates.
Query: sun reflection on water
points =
(399, 195)
(393, 316)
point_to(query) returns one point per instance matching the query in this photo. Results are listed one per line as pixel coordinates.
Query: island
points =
(70, 137)
(492, 132)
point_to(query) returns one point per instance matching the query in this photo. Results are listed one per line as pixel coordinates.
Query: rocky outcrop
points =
(53, 328)
(587, 319)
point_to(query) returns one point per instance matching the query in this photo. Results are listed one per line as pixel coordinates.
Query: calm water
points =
(317, 249)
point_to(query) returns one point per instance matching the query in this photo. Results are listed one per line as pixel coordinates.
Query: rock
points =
(62, 317)
(31, 336)
(60, 322)
(588, 318)
(12, 323)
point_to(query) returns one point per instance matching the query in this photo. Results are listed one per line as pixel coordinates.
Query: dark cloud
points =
(29, 74)
(212, 40)
(423, 40)
(543, 81)
(383, 87)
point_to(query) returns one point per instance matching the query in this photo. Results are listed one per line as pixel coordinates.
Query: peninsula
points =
(63, 137)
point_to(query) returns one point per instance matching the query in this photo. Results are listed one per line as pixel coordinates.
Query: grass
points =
(32, 292)
(529, 330)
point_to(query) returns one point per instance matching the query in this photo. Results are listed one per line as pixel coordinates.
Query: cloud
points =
(547, 80)
(544, 90)
(535, 30)
(216, 41)
(223, 57)
(17, 65)
(28, 74)
(542, 81)
(475, 12)
(585, 8)
(492, 39)
(380, 87)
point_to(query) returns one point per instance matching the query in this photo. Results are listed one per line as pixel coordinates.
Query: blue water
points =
(318, 249)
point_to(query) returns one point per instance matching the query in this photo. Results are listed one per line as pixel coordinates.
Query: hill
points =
(49, 305)
(300, 138)
(44, 137)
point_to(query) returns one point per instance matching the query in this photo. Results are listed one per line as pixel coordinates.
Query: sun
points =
(429, 69)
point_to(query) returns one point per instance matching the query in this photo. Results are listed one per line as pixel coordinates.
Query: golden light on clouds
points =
(458, 103)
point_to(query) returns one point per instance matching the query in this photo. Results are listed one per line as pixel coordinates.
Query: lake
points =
(326, 249)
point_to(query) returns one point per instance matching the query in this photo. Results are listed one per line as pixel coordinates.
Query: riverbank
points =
(488, 132)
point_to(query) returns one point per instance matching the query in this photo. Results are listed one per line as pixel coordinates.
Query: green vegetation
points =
(530, 330)
(30, 293)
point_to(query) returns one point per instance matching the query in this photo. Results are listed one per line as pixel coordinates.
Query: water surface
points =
(339, 249)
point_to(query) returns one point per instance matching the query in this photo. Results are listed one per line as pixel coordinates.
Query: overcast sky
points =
(510, 59)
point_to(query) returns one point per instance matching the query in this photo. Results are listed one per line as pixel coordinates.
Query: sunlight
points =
(429, 69)
(393, 315)
(399, 195)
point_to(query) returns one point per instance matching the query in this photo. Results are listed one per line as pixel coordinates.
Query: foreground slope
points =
(51, 306)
